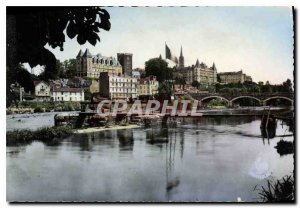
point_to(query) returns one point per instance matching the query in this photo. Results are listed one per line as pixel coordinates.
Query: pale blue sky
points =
(258, 40)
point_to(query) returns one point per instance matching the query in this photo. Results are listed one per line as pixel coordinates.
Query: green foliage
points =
(38, 110)
(280, 191)
(49, 106)
(285, 147)
(216, 102)
(252, 87)
(179, 78)
(186, 97)
(44, 134)
(159, 68)
(164, 91)
(87, 94)
(70, 68)
(195, 84)
(218, 78)
(30, 29)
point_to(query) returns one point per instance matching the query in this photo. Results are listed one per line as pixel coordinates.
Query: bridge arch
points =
(245, 96)
(279, 97)
(214, 96)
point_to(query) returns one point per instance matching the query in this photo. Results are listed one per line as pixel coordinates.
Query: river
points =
(207, 159)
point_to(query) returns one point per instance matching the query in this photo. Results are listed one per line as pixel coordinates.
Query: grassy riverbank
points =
(44, 134)
(40, 107)
(96, 129)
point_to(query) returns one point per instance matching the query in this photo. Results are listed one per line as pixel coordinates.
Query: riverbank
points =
(42, 107)
(26, 136)
(97, 129)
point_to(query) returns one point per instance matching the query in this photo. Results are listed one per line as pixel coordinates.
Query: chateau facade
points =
(201, 73)
(90, 66)
(234, 77)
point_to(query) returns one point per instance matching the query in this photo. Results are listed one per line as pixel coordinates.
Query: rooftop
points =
(65, 89)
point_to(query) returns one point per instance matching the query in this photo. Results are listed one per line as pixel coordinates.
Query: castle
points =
(90, 66)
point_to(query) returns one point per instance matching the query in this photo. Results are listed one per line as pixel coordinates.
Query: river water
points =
(206, 159)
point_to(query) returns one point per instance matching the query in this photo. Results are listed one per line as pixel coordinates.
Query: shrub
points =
(216, 102)
(186, 97)
(285, 147)
(280, 191)
(44, 134)
(38, 110)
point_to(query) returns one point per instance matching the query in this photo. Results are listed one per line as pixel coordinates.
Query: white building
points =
(68, 94)
(42, 91)
(117, 87)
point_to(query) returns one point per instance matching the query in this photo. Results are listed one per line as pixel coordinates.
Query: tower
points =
(86, 63)
(215, 76)
(197, 63)
(79, 63)
(125, 60)
(181, 59)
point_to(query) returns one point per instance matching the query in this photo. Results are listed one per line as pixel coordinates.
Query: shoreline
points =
(98, 129)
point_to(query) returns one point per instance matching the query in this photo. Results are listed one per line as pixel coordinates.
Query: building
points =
(125, 59)
(234, 77)
(67, 94)
(201, 73)
(91, 66)
(181, 59)
(147, 86)
(42, 91)
(136, 74)
(248, 78)
(117, 87)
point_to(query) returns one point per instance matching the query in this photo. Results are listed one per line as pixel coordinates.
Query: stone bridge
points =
(262, 98)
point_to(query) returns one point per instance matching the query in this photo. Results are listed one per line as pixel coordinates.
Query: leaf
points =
(92, 38)
(71, 30)
(105, 24)
(104, 14)
(81, 39)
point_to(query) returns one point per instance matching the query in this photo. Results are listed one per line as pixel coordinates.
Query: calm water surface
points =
(206, 159)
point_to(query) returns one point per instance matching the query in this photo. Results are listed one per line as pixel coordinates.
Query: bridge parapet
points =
(261, 97)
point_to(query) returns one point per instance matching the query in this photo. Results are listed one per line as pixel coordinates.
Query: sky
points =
(258, 40)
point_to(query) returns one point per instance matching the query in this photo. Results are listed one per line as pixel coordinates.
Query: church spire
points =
(79, 54)
(213, 66)
(197, 63)
(181, 59)
(181, 52)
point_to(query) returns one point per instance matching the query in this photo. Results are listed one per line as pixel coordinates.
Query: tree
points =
(70, 67)
(159, 68)
(164, 90)
(196, 84)
(219, 78)
(287, 86)
(179, 78)
(30, 29)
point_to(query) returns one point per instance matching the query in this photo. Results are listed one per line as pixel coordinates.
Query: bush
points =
(38, 110)
(280, 191)
(186, 97)
(285, 147)
(44, 134)
(216, 102)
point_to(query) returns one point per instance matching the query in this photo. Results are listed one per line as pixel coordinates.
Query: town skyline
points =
(213, 39)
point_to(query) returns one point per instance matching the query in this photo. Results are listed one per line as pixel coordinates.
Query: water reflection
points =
(126, 140)
(201, 161)
(172, 180)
